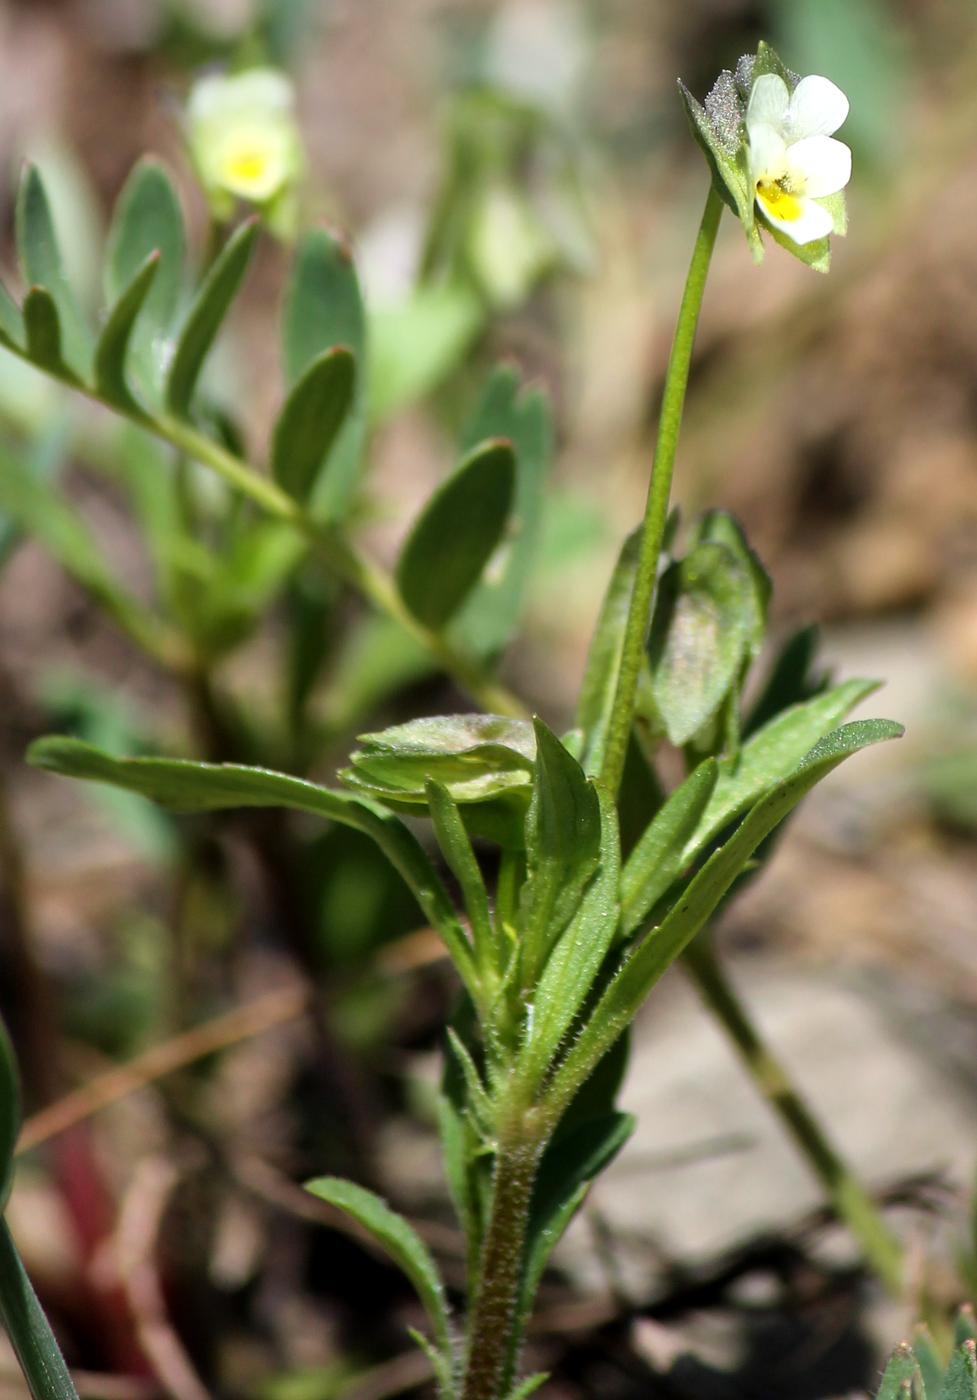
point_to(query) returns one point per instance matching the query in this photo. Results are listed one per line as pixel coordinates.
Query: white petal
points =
(817, 108)
(815, 222)
(823, 164)
(769, 101)
(767, 152)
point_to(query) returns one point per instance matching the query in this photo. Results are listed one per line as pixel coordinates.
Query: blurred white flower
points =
(793, 159)
(243, 137)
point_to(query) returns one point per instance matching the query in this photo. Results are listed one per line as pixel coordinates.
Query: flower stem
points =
(659, 490)
(851, 1201)
(494, 1320)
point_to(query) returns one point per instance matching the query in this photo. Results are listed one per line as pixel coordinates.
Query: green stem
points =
(851, 1201)
(494, 1322)
(659, 491)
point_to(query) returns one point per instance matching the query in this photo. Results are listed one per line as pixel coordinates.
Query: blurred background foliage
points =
(524, 167)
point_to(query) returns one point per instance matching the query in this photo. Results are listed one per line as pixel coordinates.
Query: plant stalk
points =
(659, 491)
(494, 1320)
(851, 1201)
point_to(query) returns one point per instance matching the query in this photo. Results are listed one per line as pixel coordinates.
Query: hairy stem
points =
(494, 1320)
(659, 491)
(851, 1201)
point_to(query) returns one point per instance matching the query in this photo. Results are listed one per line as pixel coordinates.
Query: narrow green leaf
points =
(575, 962)
(206, 314)
(489, 616)
(313, 415)
(529, 1386)
(965, 1326)
(323, 311)
(9, 1114)
(901, 1371)
(478, 1104)
(397, 1239)
(441, 1365)
(457, 851)
(42, 334)
(960, 1382)
(28, 1329)
(930, 1363)
(456, 534)
(791, 680)
(772, 753)
(658, 950)
(186, 786)
(147, 218)
(660, 855)
(604, 658)
(11, 321)
(112, 350)
(563, 847)
(572, 1161)
(42, 265)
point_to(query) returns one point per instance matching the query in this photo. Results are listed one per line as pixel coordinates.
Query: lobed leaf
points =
(487, 619)
(456, 534)
(42, 264)
(112, 350)
(699, 900)
(187, 786)
(206, 315)
(313, 415)
(147, 218)
(397, 1239)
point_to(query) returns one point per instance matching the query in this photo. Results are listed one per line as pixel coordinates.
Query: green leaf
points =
(28, 1329)
(900, 1375)
(660, 855)
(11, 321)
(475, 757)
(9, 1114)
(42, 334)
(529, 1386)
(790, 681)
(37, 507)
(416, 344)
(960, 1382)
(572, 1161)
(113, 344)
(573, 966)
(206, 315)
(323, 311)
(719, 527)
(42, 264)
(397, 1239)
(313, 415)
(773, 752)
(456, 534)
(700, 635)
(186, 786)
(563, 847)
(489, 616)
(930, 1363)
(147, 218)
(700, 898)
(457, 851)
(965, 1326)
(599, 686)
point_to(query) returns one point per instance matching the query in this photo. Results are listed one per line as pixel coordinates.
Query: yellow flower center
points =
(246, 166)
(779, 199)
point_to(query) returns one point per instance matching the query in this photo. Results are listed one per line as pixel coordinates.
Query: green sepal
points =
(456, 534)
(206, 315)
(398, 1240)
(111, 352)
(310, 421)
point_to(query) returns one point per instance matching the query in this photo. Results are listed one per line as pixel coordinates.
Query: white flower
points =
(243, 136)
(793, 159)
